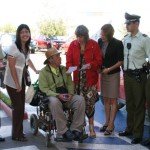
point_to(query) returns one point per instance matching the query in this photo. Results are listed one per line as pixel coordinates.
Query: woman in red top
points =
(86, 55)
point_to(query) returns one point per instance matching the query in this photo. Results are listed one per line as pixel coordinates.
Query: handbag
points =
(32, 89)
(29, 94)
(27, 76)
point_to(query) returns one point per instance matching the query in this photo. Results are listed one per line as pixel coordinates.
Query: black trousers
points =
(135, 104)
(148, 99)
(18, 106)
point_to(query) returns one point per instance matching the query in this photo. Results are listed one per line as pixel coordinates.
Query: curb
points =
(8, 110)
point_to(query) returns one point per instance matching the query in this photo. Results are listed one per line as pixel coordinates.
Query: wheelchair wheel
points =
(34, 124)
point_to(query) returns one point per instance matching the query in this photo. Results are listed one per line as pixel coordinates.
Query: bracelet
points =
(108, 69)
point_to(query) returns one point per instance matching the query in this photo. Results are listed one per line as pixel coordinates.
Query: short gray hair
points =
(82, 30)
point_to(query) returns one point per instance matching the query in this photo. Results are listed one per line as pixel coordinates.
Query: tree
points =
(8, 28)
(52, 27)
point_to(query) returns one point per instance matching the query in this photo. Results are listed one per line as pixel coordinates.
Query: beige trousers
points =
(77, 104)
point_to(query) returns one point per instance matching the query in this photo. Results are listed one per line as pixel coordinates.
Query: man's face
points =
(131, 26)
(56, 60)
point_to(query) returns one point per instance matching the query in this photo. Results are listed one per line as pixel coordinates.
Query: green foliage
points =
(52, 27)
(8, 28)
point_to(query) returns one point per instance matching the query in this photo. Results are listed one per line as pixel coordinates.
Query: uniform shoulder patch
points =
(144, 35)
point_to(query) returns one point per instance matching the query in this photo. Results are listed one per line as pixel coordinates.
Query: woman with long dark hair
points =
(17, 62)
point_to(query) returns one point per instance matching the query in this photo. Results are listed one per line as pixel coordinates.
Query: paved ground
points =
(102, 142)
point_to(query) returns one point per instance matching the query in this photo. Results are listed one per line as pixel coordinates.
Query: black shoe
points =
(146, 142)
(79, 136)
(125, 133)
(68, 135)
(103, 128)
(136, 141)
(2, 139)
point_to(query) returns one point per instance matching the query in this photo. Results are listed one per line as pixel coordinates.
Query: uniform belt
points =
(136, 74)
(130, 71)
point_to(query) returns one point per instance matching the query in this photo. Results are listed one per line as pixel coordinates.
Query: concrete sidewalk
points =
(101, 142)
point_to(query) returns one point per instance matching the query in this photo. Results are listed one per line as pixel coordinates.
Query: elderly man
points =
(59, 87)
(1, 57)
(136, 50)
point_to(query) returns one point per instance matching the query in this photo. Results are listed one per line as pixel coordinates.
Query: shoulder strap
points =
(54, 78)
(52, 75)
(62, 76)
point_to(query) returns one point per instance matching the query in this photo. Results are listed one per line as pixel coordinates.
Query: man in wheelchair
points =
(58, 86)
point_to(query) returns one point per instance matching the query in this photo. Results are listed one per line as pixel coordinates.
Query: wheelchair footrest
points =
(83, 137)
(61, 140)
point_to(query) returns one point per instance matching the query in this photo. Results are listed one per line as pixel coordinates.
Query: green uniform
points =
(136, 50)
(148, 96)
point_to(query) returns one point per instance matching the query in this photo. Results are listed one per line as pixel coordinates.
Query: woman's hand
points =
(18, 87)
(105, 70)
(33, 67)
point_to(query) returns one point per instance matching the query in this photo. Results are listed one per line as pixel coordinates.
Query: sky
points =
(92, 13)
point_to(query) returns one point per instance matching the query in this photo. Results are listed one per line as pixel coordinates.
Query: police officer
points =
(136, 50)
(1, 57)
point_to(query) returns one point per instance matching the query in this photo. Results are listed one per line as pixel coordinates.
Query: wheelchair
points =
(43, 120)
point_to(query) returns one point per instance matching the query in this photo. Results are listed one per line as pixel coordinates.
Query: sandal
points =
(21, 139)
(92, 132)
(108, 131)
(103, 128)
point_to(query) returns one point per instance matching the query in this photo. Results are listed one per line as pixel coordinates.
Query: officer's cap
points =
(131, 18)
